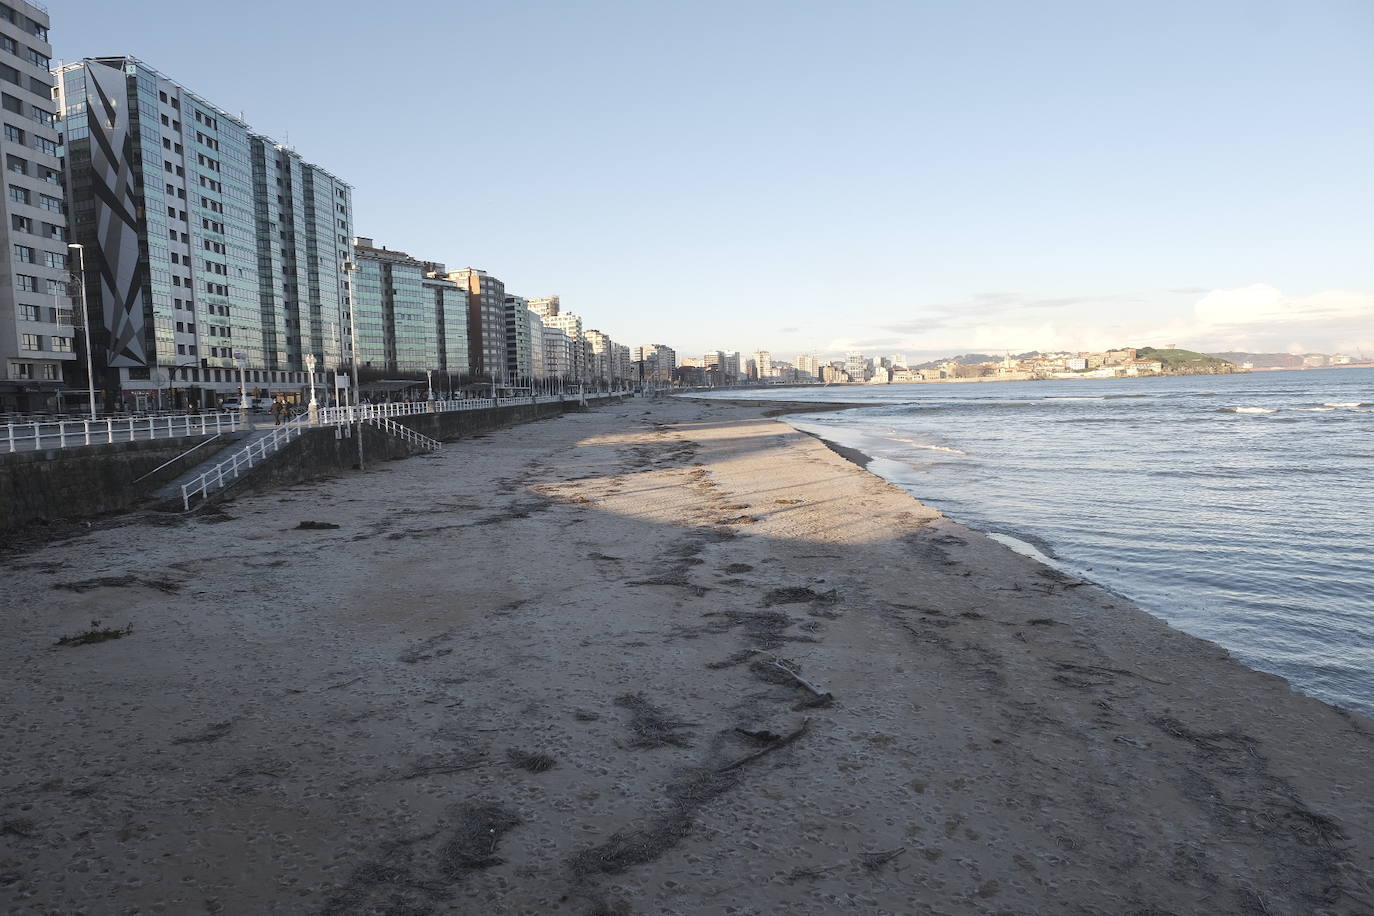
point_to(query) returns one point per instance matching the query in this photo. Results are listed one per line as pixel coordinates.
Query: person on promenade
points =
(278, 410)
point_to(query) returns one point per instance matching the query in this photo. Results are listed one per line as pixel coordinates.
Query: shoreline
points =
(653, 658)
(1027, 544)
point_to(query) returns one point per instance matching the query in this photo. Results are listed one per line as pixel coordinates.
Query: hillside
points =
(1264, 360)
(1186, 362)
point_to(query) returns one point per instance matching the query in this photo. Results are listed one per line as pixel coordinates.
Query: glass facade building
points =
(451, 312)
(39, 336)
(203, 240)
(410, 317)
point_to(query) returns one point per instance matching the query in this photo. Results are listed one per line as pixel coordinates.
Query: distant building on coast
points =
(656, 363)
(39, 329)
(202, 240)
(808, 365)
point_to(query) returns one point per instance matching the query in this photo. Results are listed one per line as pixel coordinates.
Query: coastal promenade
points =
(668, 657)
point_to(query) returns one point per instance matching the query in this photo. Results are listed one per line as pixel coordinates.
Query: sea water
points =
(1240, 508)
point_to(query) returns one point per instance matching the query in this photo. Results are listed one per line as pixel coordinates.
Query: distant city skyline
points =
(964, 178)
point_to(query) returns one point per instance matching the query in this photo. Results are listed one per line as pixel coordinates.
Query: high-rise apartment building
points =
(304, 219)
(37, 337)
(203, 241)
(544, 306)
(809, 364)
(763, 364)
(538, 361)
(519, 339)
(571, 326)
(601, 352)
(558, 353)
(656, 363)
(451, 312)
(486, 321)
(622, 368)
(407, 313)
(856, 366)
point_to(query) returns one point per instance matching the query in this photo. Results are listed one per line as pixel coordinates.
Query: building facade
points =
(558, 354)
(520, 364)
(39, 349)
(396, 304)
(209, 249)
(486, 322)
(544, 306)
(571, 326)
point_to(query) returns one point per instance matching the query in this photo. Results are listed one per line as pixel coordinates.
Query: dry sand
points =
(547, 671)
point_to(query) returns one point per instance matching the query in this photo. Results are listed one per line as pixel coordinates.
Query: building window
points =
(24, 254)
(62, 344)
(14, 134)
(26, 283)
(17, 165)
(47, 202)
(54, 260)
(44, 145)
(30, 341)
(29, 313)
(19, 195)
(48, 371)
(21, 223)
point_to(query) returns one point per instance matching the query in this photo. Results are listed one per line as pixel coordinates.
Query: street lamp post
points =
(429, 380)
(162, 379)
(310, 371)
(351, 268)
(241, 356)
(85, 321)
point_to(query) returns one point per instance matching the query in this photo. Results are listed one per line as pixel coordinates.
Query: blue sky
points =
(906, 177)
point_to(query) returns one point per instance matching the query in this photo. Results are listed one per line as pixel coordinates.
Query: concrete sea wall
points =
(323, 452)
(54, 484)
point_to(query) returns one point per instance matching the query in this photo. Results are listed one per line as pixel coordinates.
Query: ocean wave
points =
(1067, 398)
(933, 448)
(1247, 410)
(1347, 404)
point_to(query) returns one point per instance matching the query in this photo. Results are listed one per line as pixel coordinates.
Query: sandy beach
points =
(668, 657)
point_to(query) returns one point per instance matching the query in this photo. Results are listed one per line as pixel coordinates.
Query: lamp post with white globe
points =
(241, 357)
(310, 370)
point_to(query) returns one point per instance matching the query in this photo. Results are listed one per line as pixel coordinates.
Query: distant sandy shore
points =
(668, 657)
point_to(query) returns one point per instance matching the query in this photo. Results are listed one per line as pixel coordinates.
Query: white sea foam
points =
(1073, 399)
(1346, 404)
(933, 448)
(1252, 410)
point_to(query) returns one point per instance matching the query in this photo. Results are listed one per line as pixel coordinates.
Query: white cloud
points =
(1257, 318)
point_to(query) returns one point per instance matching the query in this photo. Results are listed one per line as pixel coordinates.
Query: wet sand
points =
(667, 657)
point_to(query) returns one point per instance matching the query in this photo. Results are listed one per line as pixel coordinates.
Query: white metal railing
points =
(406, 433)
(71, 433)
(353, 413)
(223, 473)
